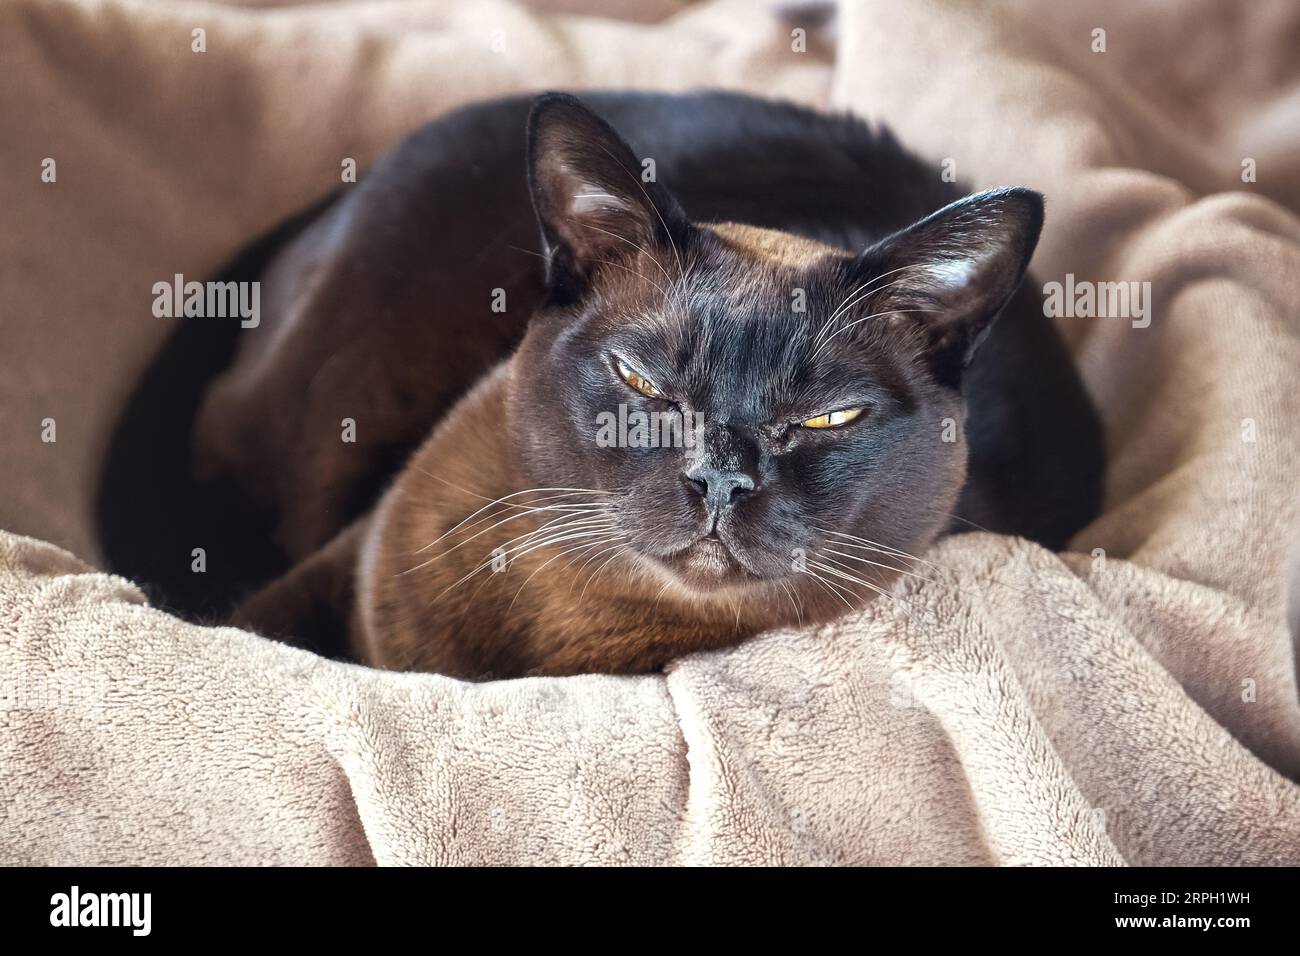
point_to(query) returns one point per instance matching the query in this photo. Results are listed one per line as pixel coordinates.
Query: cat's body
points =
(381, 312)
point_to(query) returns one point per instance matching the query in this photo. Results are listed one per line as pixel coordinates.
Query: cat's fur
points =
(378, 312)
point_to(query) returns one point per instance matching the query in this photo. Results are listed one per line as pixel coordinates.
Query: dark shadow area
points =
(150, 513)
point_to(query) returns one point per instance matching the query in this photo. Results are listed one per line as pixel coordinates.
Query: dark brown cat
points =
(807, 342)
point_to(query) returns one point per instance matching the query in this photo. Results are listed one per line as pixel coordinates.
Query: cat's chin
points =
(708, 566)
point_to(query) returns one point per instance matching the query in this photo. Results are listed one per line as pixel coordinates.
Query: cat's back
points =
(727, 156)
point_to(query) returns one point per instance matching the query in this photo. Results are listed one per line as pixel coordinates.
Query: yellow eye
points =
(832, 419)
(637, 380)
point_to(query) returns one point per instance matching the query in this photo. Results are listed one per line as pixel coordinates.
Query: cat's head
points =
(817, 393)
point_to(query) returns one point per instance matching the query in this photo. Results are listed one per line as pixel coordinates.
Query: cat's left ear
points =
(954, 271)
(592, 202)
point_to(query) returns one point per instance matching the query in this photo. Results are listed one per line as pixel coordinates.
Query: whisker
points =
(540, 568)
(566, 517)
(523, 509)
(877, 564)
(520, 511)
(587, 562)
(654, 608)
(488, 562)
(868, 545)
(531, 542)
(554, 539)
(825, 586)
(845, 576)
(622, 549)
(567, 513)
(530, 252)
(496, 501)
(975, 525)
(880, 589)
(793, 603)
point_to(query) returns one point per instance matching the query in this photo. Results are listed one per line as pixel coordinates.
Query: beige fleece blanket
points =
(1131, 701)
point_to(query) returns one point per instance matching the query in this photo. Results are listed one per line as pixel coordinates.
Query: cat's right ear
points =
(592, 201)
(954, 271)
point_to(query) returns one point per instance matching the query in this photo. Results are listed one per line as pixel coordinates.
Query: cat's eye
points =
(637, 380)
(831, 419)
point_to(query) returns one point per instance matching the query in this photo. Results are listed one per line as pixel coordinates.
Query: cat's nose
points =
(719, 488)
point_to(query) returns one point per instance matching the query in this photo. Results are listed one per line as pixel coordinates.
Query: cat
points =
(843, 340)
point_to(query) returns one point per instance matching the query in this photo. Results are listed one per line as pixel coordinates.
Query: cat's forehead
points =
(742, 332)
(763, 280)
(737, 297)
(770, 247)
(754, 293)
(728, 278)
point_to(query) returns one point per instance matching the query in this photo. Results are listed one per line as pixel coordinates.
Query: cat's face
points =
(754, 406)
